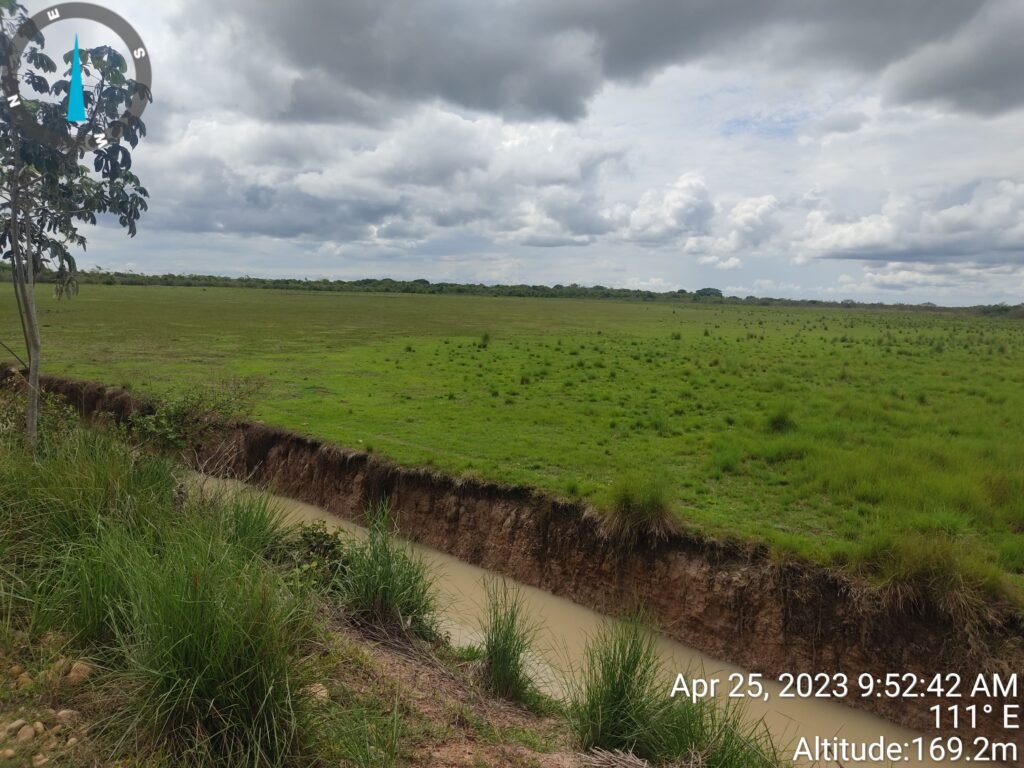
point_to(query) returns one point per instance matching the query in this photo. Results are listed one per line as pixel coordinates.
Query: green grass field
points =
(887, 443)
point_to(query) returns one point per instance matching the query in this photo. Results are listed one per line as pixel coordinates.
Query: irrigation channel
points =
(564, 628)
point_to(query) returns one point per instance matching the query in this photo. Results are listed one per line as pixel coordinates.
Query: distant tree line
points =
(574, 291)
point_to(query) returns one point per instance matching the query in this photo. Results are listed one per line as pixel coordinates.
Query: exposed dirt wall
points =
(729, 601)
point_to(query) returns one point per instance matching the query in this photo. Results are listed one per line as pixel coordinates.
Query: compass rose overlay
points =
(133, 44)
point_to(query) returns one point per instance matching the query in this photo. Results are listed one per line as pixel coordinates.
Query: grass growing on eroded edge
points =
(385, 585)
(507, 643)
(618, 701)
(639, 507)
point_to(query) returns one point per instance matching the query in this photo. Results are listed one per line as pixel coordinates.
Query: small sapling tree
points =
(46, 192)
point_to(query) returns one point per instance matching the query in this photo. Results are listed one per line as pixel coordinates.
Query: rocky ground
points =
(38, 725)
(50, 708)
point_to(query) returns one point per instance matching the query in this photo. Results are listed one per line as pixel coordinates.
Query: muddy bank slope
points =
(727, 600)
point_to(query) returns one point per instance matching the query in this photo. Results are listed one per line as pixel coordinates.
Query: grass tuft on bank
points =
(385, 585)
(212, 651)
(639, 508)
(508, 637)
(619, 701)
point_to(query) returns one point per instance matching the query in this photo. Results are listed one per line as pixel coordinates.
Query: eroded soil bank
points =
(728, 600)
(565, 627)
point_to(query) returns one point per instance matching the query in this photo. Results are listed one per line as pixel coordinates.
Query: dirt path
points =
(465, 727)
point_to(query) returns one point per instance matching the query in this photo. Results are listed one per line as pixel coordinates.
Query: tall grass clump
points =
(615, 702)
(209, 655)
(936, 573)
(66, 510)
(386, 586)
(59, 494)
(201, 642)
(508, 638)
(780, 420)
(255, 524)
(86, 594)
(639, 506)
(620, 701)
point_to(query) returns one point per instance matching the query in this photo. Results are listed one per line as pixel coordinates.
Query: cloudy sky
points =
(805, 148)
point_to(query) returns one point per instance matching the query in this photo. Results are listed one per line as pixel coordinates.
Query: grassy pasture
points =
(884, 442)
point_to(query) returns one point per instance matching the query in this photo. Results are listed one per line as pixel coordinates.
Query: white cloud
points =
(682, 209)
(985, 226)
(822, 236)
(754, 221)
(718, 263)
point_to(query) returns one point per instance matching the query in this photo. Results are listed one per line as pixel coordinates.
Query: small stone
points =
(60, 667)
(14, 727)
(24, 679)
(53, 640)
(72, 741)
(38, 727)
(39, 760)
(16, 670)
(319, 692)
(67, 716)
(7, 754)
(25, 734)
(80, 672)
(57, 728)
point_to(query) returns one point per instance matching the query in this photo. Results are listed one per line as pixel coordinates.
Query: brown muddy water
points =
(565, 627)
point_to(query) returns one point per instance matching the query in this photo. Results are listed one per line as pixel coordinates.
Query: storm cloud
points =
(798, 147)
(534, 58)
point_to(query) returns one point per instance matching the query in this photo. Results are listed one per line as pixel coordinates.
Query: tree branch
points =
(14, 354)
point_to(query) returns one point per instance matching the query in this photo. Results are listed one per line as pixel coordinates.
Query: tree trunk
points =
(34, 344)
(23, 276)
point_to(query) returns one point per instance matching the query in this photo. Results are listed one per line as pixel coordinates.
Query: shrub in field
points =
(316, 541)
(639, 506)
(183, 417)
(780, 420)
(57, 419)
(320, 557)
(508, 638)
(619, 701)
(385, 585)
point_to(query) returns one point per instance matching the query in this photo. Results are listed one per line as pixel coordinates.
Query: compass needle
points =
(76, 94)
(110, 128)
